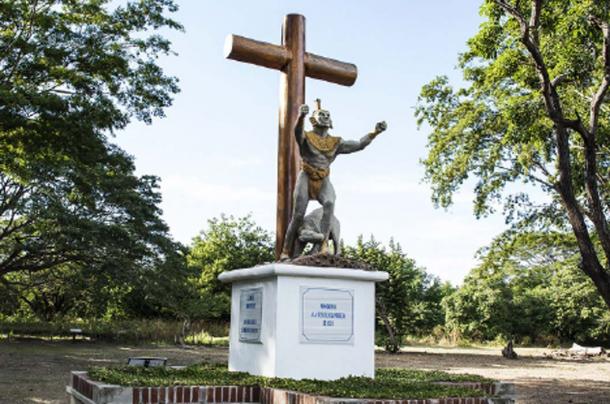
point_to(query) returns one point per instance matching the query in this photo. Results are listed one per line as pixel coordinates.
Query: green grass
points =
(388, 383)
(204, 338)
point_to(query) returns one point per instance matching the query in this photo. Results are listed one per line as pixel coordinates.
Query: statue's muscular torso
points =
(319, 151)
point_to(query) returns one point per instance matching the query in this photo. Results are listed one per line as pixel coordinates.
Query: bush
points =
(529, 288)
(125, 331)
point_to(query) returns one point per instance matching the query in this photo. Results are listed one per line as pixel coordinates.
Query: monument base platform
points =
(303, 322)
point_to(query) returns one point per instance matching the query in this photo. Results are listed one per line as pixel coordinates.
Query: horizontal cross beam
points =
(277, 57)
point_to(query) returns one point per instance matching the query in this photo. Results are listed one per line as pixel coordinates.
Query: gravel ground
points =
(537, 379)
(33, 371)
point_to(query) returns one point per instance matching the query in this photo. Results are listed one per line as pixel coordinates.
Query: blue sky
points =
(216, 150)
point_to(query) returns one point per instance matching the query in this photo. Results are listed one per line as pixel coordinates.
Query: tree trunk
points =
(394, 345)
(184, 330)
(591, 265)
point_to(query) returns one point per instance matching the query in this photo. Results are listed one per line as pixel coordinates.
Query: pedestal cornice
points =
(281, 269)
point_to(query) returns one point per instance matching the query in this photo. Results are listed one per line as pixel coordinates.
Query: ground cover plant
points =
(388, 383)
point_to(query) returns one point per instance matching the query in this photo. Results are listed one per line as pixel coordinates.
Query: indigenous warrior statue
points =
(318, 150)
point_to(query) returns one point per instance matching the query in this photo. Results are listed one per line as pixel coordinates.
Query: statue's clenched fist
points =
(380, 127)
(303, 110)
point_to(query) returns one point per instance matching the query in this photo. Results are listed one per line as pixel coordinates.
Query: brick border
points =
(86, 391)
(82, 384)
(489, 388)
(196, 394)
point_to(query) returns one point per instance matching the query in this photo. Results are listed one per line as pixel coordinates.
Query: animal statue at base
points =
(311, 232)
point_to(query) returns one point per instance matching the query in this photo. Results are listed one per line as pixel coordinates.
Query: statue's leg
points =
(327, 200)
(300, 201)
(299, 246)
(336, 236)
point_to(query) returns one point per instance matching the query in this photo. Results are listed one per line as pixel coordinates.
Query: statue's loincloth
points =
(315, 177)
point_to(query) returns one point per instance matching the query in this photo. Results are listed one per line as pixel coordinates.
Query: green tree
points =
(536, 80)
(528, 287)
(155, 284)
(482, 308)
(227, 243)
(72, 73)
(409, 301)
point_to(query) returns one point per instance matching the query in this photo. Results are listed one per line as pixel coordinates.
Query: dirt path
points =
(37, 371)
(537, 379)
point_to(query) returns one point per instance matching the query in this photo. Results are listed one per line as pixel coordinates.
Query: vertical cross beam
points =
(295, 64)
(292, 95)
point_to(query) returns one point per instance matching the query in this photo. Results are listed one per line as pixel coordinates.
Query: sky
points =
(216, 150)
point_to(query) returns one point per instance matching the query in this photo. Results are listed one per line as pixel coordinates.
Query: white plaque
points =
(327, 315)
(250, 314)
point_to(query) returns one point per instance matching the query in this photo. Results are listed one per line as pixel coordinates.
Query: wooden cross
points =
(295, 64)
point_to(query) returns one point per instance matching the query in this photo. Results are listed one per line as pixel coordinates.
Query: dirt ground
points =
(37, 371)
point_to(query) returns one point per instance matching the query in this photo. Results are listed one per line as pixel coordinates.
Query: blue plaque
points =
(250, 314)
(327, 315)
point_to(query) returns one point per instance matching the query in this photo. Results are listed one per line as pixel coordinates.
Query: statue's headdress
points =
(318, 104)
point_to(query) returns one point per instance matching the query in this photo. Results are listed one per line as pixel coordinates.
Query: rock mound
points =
(328, 260)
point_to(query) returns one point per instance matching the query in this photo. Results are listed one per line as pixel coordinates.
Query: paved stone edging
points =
(82, 390)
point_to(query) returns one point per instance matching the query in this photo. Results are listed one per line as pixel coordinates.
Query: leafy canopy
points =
(496, 128)
(71, 74)
(533, 111)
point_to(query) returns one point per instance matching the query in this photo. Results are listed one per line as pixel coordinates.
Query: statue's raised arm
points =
(298, 129)
(351, 146)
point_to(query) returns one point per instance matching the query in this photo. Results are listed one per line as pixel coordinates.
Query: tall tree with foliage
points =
(72, 73)
(227, 243)
(534, 110)
(409, 302)
(528, 287)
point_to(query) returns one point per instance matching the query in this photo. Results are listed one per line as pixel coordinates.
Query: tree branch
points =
(511, 10)
(528, 176)
(551, 99)
(559, 79)
(547, 173)
(9, 229)
(535, 19)
(598, 98)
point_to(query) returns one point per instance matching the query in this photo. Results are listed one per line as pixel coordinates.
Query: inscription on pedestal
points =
(250, 314)
(327, 315)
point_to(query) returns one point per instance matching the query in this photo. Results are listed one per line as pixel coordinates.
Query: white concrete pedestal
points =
(303, 322)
